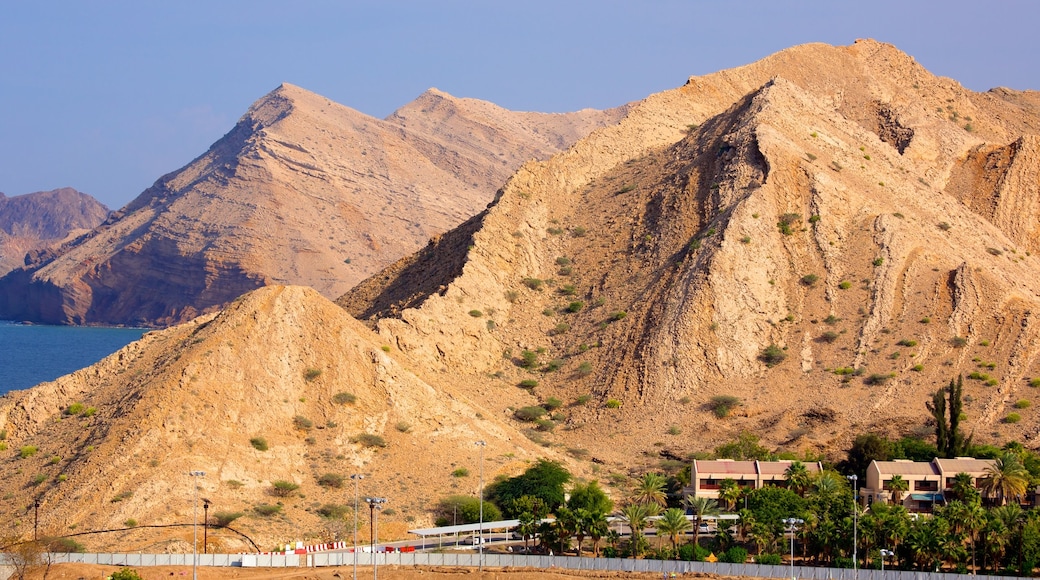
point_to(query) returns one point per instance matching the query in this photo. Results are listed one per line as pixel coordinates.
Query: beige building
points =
(927, 482)
(707, 475)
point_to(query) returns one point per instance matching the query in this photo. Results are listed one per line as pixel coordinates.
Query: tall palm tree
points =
(527, 528)
(967, 518)
(730, 493)
(898, 486)
(583, 521)
(798, 478)
(674, 523)
(636, 516)
(651, 490)
(700, 507)
(1005, 478)
(597, 530)
(963, 487)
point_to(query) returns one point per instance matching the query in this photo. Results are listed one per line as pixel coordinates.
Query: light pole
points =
(855, 520)
(884, 554)
(792, 525)
(357, 477)
(195, 524)
(480, 498)
(205, 526)
(374, 503)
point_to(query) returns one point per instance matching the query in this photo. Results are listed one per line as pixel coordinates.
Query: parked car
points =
(474, 541)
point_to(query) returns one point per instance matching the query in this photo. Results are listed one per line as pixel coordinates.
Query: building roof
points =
(906, 468)
(969, 465)
(779, 467)
(723, 468)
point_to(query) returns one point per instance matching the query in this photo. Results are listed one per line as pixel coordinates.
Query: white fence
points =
(456, 559)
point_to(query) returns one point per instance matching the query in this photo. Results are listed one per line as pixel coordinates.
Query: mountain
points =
(301, 191)
(34, 222)
(804, 248)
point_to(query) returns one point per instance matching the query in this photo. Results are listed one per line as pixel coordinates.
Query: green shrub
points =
(267, 510)
(810, 279)
(582, 400)
(563, 261)
(333, 511)
(38, 479)
(585, 369)
(878, 378)
(553, 365)
(460, 472)
(532, 413)
(224, 519)
(768, 559)
(55, 460)
(925, 320)
(545, 424)
(878, 261)
(1034, 382)
(575, 306)
(311, 374)
(130, 523)
(844, 371)
(343, 398)
(283, 488)
(528, 359)
(552, 403)
(302, 423)
(1012, 418)
(831, 320)
(331, 480)
(578, 232)
(368, 440)
(958, 341)
(674, 430)
(385, 348)
(734, 555)
(620, 314)
(122, 496)
(125, 573)
(1022, 404)
(476, 313)
(403, 427)
(612, 404)
(828, 336)
(27, 451)
(528, 383)
(259, 443)
(845, 285)
(533, 283)
(907, 342)
(74, 409)
(561, 328)
(721, 405)
(917, 368)
(772, 355)
(786, 221)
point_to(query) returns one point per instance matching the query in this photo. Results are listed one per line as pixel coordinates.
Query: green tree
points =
(963, 488)
(650, 490)
(527, 528)
(865, 448)
(730, 493)
(591, 497)
(597, 530)
(1005, 478)
(467, 509)
(700, 507)
(636, 515)
(949, 441)
(745, 448)
(898, 486)
(544, 480)
(798, 478)
(673, 522)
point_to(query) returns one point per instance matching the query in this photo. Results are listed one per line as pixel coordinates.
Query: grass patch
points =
(283, 488)
(532, 413)
(259, 443)
(722, 405)
(344, 398)
(368, 440)
(267, 510)
(302, 423)
(311, 374)
(460, 472)
(331, 480)
(772, 355)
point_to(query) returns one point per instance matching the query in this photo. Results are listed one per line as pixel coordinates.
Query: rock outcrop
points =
(301, 191)
(34, 223)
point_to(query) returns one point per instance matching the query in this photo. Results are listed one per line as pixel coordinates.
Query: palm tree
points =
(730, 493)
(898, 486)
(597, 530)
(674, 523)
(583, 520)
(527, 528)
(1005, 478)
(700, 507)
(968, 518)
(651, 490)
(636, 516)
(963, 487)
(798, 478)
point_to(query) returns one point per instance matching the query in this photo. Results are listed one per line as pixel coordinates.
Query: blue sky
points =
(108, 96)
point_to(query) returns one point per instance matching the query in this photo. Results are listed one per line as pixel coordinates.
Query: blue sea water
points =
(31, 354)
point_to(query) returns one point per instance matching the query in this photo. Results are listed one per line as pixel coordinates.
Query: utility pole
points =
(357, 477)
(205, 526)
(195, 524)
(374, 503)
(480, 498)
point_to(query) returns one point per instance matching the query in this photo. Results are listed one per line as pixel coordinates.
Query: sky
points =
(109, 96)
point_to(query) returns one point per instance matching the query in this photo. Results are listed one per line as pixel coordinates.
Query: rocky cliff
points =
(301, 191)
(35, 222)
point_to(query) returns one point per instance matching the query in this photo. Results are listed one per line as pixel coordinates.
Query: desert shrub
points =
(512, 296)
(674, 430)
(843, 371)
(282, 488)
(845, 285)
(368, 440)
(385, 348)
(612, 404)
(331, 480)
(1012, 418)
(528, 359)
(302, 423)
(460, 472)
(878, 378)
(768, 559)
(122, 496)
(772, 355)
(259, 443)
(1034, 382)
(343, 398)
(74, 409)
(994, 251)
(907, 342)
(561, 328)
(582, 400)
(831, 319)
(223, 519)
(620, 314)
(55, 460)
(925, 320)
(3, 434)
(563, 261)
(130, 523)
(545, 424)
(578, 232)
(944, 226)
(1022, 404)
(333, 511)
(584, 369)
(786, 221)
(828, 336)
(983, 343)
(267, 510)
(809, 279)
(403, 427)
(27, 451)
(553, 365)
(552, 403)
(125, 573)
(958, 341)
(234, 484)
(532, 413)
(721, 405)
(575, 306)
(38, 479)
(311, 374)
(917, 368)
(476, 313)
(533, 283)
(878, 261)
(528, 383)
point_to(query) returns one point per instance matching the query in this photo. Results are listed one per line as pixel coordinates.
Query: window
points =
(926, 486)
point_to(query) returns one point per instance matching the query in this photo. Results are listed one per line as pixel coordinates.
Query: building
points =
(707, 475)
(928, 482)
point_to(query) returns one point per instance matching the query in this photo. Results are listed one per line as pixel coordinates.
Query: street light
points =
(855, 520)
(205, 526)
(374, 503)
(357, 477)
(885, 554)
(792, 525)
(195, 525)
(480, 543)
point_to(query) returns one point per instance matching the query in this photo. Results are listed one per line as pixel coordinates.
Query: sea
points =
(31, 354)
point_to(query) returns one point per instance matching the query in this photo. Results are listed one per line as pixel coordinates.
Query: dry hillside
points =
(35, 222)
(301, 191)
(871, 222)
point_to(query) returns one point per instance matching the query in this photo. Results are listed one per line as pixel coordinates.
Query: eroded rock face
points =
(34, 224)
(301, 191)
